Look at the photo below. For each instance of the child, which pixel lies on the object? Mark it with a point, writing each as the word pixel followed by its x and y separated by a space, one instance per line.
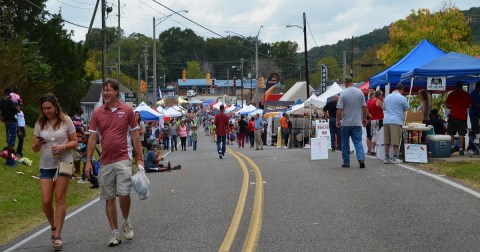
pixel 231 134
pixel 82 149
pixel 194 137
pixel 212 132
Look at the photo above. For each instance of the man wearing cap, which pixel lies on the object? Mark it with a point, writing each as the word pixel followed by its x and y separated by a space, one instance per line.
pixel 394 107
pixel 458 102
pixel 258 132
pixel 221 129
pixel 330 112
pixel 474 112
pixel 351 116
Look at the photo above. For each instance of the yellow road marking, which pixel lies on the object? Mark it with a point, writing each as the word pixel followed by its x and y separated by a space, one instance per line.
pixel 253 233
pixel 237 216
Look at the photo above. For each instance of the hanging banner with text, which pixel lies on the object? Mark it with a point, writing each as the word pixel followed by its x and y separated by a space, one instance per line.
pixel 323 84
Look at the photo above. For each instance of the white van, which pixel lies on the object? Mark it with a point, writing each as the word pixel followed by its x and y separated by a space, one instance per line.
pixel 191 93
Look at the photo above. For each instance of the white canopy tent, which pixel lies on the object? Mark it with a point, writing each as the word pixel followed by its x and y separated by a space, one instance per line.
pixel 257 111
pixel 246 110
pixel 171 112
pixel 147 113
pixel 320 101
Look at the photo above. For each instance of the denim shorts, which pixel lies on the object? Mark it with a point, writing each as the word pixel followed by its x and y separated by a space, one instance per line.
pixel 47 173
pixel 11 129
pixel 115 179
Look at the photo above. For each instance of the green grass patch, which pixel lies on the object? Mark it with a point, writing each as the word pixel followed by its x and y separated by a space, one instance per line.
pixel 20 198
pixel 467 172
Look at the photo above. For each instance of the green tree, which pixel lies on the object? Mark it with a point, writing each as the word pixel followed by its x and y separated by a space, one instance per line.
pixel 194 71
pixel 448 29
pixel 285 55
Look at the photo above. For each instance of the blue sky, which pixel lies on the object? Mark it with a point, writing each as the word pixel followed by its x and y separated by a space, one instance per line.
pixel 327 21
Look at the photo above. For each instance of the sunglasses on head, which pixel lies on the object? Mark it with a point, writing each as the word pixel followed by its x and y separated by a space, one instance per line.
pixel 48 98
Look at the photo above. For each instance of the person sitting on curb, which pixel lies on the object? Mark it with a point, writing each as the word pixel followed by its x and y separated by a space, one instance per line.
pixel 152 162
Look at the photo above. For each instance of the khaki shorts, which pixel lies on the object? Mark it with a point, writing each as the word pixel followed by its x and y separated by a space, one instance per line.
pixel 115 179
pixel 392 133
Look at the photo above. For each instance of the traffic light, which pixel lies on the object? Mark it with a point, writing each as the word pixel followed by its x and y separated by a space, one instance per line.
pixel 208 78
pixel 261 83
pixel 143 86
pixel 184 75
pixel 234 81
pixel 213 83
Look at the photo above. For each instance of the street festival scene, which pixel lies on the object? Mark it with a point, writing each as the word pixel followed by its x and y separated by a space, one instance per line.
pixel 275 133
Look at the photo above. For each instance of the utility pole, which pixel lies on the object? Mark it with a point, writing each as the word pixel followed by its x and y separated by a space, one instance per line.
pixel 145 55
pixel 351 62
pixel 307 77
pixel 119 39
pixel 228 85
pixel 104 43
pixel 344 65
pixel 139 81
pixel 241 69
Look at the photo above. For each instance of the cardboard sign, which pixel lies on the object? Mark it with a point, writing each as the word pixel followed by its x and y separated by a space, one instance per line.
pixel 319 148
pixel 416 153
pixel 322 129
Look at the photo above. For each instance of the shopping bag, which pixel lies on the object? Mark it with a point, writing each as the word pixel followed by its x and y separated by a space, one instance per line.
pixel 141 183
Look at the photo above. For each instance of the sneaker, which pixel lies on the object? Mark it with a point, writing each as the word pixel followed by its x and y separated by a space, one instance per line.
pixel 452 149
pixel 345 166
pixel 461 152
pixel 396 160
pixel 81 181
pixel 362 163
pixel 114 239
pixel 387 160
pixel 128 230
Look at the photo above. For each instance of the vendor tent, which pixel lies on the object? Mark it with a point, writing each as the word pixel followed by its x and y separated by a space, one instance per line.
pixel 424 52
pixel 320 101
pixel 454 66
pixel 256 111
pixel 171 112
pixel 195 101
pixel 147 113
pixel 246 110
pixel 297 91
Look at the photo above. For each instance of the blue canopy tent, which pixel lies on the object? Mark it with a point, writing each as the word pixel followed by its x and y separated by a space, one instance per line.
pixel 454 66
pixel 424 52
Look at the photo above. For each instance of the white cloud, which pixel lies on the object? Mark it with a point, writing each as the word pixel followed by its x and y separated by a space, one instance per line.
pixel 329 21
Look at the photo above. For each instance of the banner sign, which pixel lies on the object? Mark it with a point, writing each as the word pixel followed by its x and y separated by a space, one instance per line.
pixel 277 106
pixel 323 84
pixel 322 129
pixel 436 83
pixel 131 97
pixel 273 80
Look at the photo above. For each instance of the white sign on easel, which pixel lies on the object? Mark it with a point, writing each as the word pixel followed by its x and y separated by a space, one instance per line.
pixel 319 148
pixel 322 129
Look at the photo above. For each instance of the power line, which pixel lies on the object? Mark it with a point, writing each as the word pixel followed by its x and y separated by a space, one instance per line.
pixel 66 21
pixel 76 7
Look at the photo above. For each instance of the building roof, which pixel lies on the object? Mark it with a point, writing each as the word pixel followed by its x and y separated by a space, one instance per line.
pixel 218 83
pixel 95 92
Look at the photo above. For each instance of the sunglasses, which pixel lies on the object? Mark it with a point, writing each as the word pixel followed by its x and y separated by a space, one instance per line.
pixel 47 98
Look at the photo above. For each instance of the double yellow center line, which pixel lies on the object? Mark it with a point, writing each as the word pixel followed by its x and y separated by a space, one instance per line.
pixel 253 234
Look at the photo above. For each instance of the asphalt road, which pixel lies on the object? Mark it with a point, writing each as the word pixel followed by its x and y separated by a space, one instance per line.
pixel 306 206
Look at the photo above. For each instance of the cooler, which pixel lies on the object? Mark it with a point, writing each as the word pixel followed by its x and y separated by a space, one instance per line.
pixel 439 145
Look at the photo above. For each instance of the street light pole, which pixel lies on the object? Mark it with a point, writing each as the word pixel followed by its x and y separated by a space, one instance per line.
pixel 256 64
pixel 155 51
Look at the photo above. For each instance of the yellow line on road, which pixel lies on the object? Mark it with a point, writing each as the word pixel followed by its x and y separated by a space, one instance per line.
pixel 253 233
pixel 237 216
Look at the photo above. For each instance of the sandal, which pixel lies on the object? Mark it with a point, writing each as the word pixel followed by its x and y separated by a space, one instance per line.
pixel 57 244
pixel 53 235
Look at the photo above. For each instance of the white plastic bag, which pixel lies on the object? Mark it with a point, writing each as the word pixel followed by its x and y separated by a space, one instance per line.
pixel 141 183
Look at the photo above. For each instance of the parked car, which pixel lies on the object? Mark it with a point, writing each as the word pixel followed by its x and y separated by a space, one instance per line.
pixel 191 93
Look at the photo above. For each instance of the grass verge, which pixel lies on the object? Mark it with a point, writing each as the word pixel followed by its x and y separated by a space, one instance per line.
pixel 466 171
pixel 20 199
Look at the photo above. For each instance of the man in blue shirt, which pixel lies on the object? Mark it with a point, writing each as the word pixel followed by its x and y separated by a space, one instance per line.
pixel 394 108
pixel 258 132
pixel 474 113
